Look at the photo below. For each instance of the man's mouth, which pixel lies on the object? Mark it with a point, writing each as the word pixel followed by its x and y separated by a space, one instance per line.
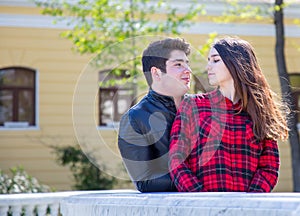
pixel 186 79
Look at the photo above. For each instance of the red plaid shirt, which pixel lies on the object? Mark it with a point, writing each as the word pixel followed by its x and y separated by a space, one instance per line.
pixel 213 148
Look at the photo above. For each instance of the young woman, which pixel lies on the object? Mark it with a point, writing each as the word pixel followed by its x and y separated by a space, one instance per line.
pixel 225 140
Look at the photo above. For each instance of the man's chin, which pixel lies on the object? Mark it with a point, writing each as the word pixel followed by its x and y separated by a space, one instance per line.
pixel 185 89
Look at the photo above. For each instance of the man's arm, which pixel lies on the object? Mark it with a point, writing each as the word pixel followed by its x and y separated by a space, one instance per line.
pixel 137 157
pixel 162 183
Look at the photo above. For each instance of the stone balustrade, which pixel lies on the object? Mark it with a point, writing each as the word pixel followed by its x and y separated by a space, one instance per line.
pixel 132 203
pixel 31 203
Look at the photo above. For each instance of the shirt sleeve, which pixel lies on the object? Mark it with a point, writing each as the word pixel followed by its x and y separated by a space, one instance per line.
pixel 136 155
pixel 183 141
pixel 266 175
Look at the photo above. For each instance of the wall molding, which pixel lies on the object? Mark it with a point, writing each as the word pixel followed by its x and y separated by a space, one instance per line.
pixel 250 29
pixel 291 11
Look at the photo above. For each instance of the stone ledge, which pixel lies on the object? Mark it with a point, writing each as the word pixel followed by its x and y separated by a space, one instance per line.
pixel 131 203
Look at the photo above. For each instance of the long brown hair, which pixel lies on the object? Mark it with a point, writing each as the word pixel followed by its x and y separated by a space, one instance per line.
pixel 258 100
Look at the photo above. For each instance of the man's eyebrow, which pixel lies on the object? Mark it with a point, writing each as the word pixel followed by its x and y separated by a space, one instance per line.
pixel 180 60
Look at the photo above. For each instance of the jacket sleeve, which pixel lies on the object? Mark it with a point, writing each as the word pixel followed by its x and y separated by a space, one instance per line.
pixel 162 183
pixel 183 141
pixel 137 158
pixel 266 175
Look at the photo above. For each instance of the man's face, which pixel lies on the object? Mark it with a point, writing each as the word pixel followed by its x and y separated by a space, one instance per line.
pixel 176 80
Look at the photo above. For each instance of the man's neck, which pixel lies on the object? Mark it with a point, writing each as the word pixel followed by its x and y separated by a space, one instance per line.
pixel 177 101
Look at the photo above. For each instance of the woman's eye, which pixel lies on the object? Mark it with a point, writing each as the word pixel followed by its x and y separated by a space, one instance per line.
pixel 216 60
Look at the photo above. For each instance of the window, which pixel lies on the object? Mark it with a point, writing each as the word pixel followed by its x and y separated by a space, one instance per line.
pixel 17 97
pixel 114 98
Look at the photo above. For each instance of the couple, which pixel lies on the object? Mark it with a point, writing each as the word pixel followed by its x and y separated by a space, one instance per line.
pixel 224 140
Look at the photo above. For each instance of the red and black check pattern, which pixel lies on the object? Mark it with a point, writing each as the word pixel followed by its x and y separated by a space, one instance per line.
pixel 213 148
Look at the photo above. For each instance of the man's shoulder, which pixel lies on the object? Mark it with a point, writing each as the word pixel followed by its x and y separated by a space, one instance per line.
pixel 138 110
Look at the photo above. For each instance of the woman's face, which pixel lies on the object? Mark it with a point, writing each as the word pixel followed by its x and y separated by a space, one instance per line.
pixel 218 74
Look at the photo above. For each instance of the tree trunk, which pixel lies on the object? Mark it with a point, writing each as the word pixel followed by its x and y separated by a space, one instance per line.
pixel 287 94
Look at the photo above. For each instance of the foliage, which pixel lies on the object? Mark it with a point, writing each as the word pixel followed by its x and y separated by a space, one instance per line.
pixel 99 24
pixel 87 176
pixel 20 182
pixel 96 24
pixel 238 10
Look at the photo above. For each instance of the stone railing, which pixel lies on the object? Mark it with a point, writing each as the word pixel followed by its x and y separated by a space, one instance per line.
pixel 34 203
pixel 131 203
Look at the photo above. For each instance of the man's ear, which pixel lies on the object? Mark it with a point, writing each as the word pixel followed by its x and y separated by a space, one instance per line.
pixel 156 73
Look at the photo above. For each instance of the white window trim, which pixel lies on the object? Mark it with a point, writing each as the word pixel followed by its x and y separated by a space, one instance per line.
pixel 182 5
pixel 37 111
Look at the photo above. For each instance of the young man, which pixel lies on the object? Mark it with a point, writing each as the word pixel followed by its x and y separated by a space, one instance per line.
pixel 144 133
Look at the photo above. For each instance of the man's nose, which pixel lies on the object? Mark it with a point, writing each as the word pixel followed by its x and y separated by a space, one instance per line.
pixel 187 69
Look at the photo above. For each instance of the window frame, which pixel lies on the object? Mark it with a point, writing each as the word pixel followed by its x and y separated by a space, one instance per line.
pixel 14 124
pixel 115 98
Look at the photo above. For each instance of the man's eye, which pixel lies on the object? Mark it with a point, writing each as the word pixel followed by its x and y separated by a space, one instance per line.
pixel 216 60
pixel 178 64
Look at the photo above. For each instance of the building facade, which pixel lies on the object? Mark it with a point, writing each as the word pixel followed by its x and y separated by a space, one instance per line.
pixel 50 95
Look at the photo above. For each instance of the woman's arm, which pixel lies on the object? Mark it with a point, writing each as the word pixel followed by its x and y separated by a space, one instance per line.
pixel 183 138
pixel 266 175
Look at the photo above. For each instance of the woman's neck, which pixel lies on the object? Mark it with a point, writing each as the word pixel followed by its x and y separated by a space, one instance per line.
pixel 229 93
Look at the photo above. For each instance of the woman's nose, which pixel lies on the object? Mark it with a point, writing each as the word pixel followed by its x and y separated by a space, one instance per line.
pixel 207 67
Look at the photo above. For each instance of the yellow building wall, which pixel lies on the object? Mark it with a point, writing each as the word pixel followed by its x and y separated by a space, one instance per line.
pixel 58 70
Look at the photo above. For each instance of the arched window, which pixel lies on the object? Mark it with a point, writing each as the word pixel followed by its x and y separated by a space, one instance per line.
pixel 17 97
pixel 115 97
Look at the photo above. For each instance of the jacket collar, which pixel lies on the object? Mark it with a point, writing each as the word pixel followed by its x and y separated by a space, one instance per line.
pixel 166 100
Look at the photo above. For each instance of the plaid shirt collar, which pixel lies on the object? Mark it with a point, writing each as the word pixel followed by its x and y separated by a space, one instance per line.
pixel 216 98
